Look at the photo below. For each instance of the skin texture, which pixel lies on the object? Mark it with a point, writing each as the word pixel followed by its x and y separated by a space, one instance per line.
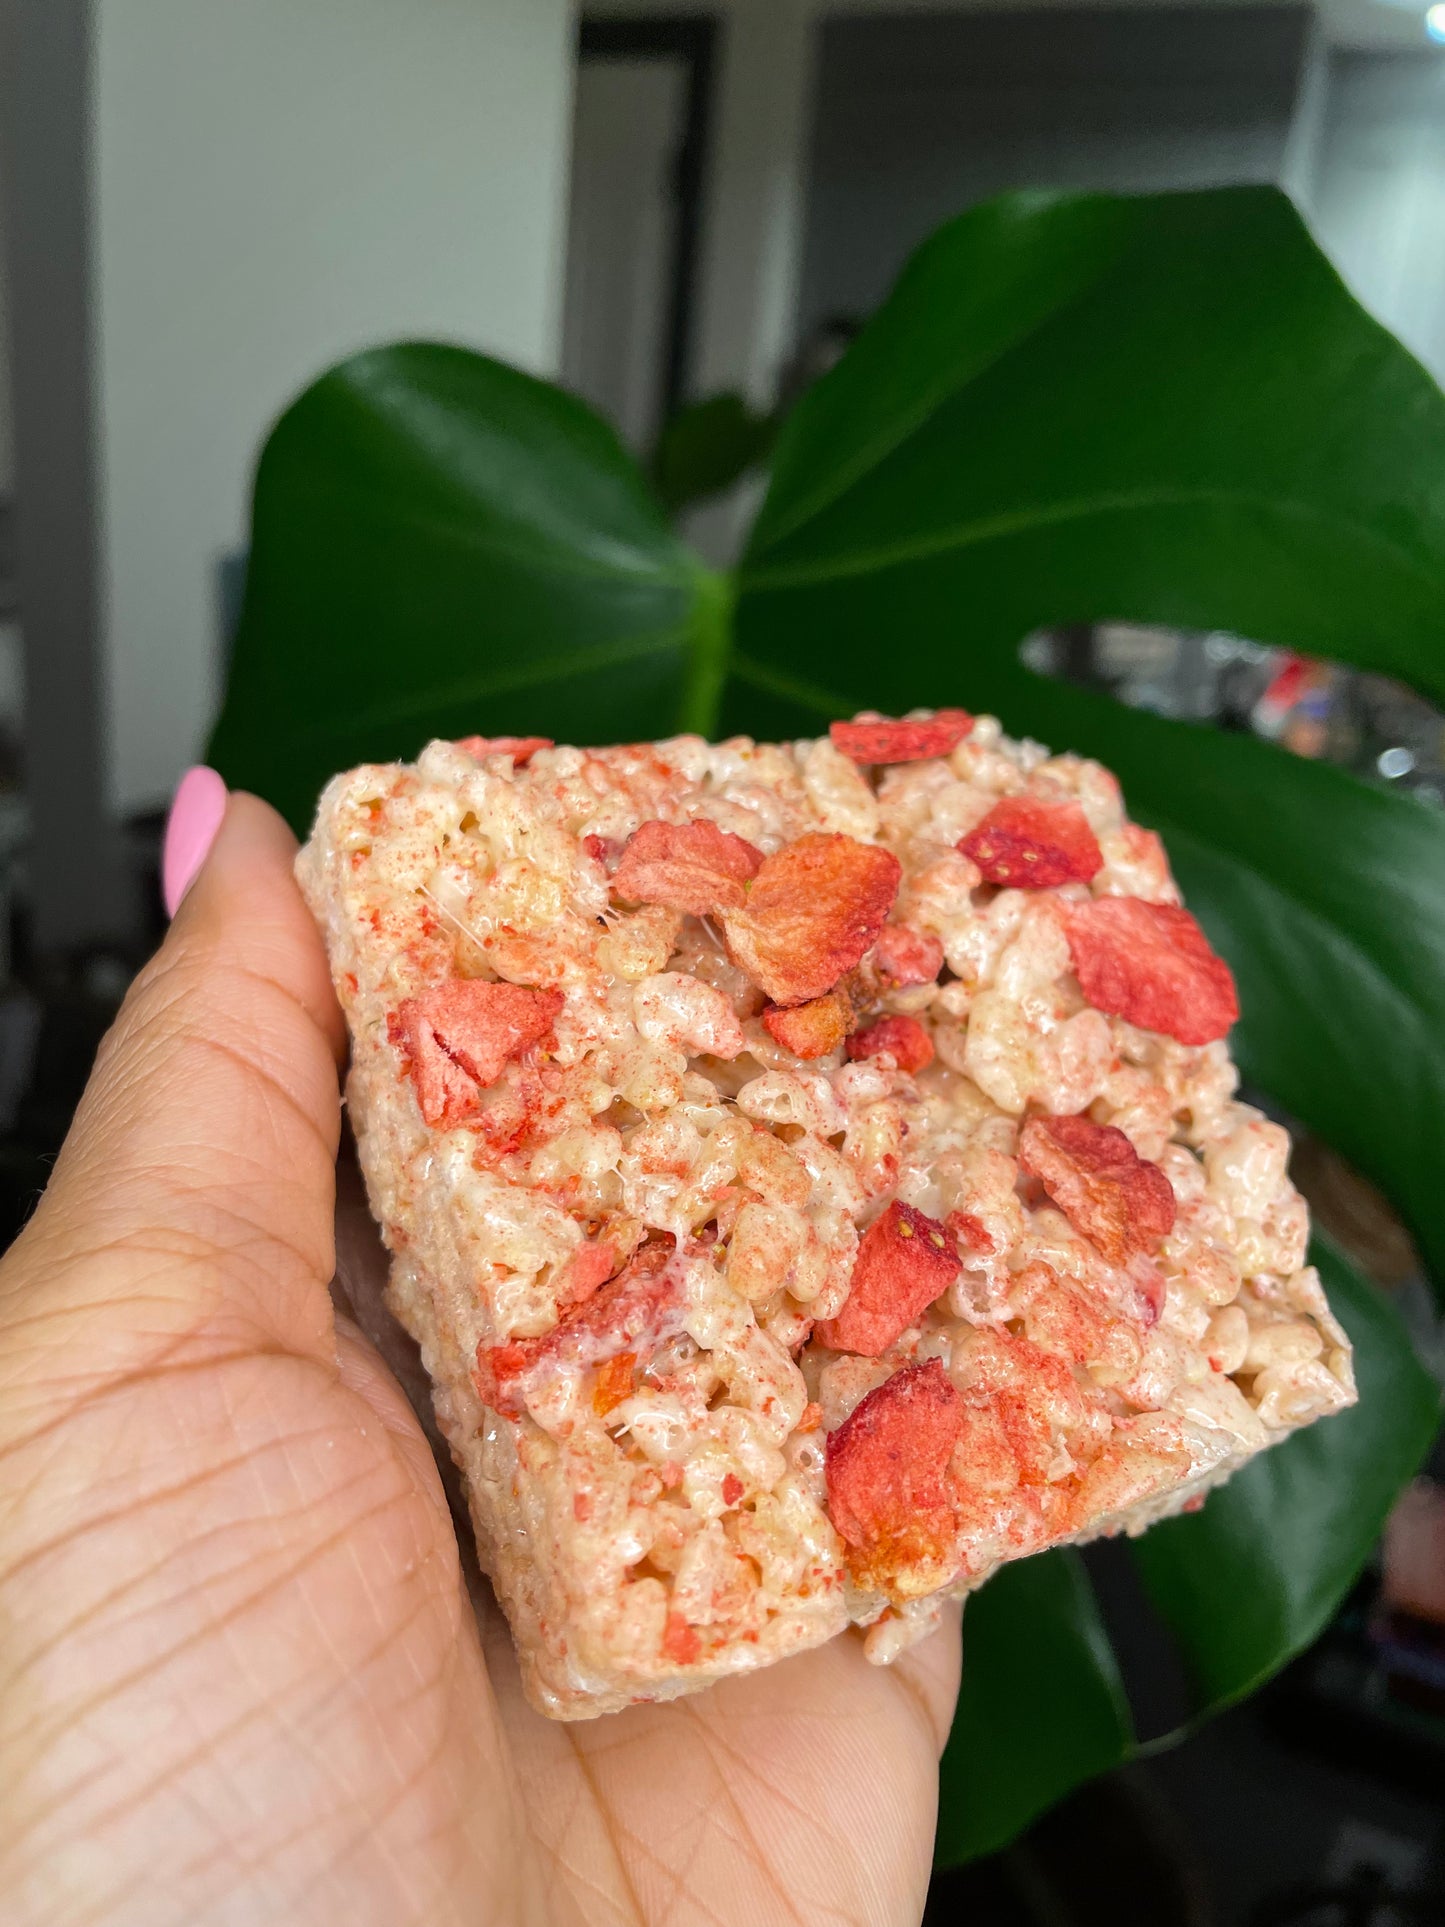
pixel 243 1675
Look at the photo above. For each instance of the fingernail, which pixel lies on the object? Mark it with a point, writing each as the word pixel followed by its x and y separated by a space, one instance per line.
pixel 196 813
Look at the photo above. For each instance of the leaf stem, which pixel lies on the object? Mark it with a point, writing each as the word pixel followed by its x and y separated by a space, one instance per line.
pixel 709 644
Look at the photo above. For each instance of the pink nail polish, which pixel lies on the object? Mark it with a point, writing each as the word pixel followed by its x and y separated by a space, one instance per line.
pixel 196 813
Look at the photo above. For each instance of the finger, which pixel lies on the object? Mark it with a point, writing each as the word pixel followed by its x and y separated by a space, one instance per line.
pixel 930 1672
pixel 358 1289
pixel 199 1169
pixel 364 1371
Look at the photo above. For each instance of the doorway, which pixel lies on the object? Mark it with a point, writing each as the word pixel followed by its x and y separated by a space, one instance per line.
pixel 638 148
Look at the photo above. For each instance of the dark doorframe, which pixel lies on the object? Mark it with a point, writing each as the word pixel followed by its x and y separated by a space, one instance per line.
pixel 693 40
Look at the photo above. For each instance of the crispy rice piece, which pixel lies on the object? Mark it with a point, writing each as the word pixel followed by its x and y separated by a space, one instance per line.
pixel 662 1053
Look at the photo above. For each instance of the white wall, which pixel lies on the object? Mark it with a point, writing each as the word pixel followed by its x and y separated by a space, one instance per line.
pixel 1377 200
pixel 278 183
pixel 755 190
pixel 921 116
pixel 628 126
pixel 756 198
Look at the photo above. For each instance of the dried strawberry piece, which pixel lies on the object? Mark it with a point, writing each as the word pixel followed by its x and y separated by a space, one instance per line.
pixel 687 866
pixel 881 740
pixel 1149 1290
pixel 905 956
pixel 811 1029
pixel 590 1265
pixel 814 910
pixel 1119 1201
pixel 459 1035
pixel 614 1382
pixel 632 1315
pixel 902 1038
pixel 969 1232
pixel 732 1488
pixel 1032 845
pixel 444 1091
pixel 1151 964
pixel 680 1641
pixel 632 1308
pixel 499 1372
pixel 905 1260
pixel 521 749
pixel 889 1494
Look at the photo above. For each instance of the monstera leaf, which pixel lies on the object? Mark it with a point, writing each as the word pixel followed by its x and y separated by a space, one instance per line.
pixel 707 446
pixel 1162 409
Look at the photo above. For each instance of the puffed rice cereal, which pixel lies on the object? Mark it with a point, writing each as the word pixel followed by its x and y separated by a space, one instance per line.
pixel 812 1173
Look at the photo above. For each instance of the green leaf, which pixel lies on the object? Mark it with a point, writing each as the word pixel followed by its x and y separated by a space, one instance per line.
pixel 1252 1579
pixel 1071 408
pixel 706 447
pixel 443 546
pixel 1041 1707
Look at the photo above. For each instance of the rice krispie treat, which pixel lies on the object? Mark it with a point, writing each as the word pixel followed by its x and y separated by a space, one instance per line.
pixel 812 1175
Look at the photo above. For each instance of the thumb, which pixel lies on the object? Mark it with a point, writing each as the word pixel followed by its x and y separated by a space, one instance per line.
pixel 198 1177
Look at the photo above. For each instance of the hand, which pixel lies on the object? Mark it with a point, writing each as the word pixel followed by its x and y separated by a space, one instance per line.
pixel 241 1680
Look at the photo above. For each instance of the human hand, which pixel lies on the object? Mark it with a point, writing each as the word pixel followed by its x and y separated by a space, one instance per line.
pixel 241 1678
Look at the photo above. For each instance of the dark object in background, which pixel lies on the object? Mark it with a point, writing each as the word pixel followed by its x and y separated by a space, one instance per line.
pixel 50 1030
pixel 1257 1820
pixel 53 1015
pixel 1365 723
pixel 1366 1899
pixel 708 446
pixel 1371 1691
pixel 1113 1855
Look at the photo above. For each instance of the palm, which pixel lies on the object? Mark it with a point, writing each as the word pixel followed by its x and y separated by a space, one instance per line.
pixel 243 1677
pixel 804 1795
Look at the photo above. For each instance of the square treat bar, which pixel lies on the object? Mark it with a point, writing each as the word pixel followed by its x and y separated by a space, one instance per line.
pixel 812 1175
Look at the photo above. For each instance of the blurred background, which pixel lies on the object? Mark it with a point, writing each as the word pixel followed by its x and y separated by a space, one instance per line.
pixel 687 212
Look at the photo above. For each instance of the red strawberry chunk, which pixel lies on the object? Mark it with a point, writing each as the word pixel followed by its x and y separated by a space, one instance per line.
pixel 902 1038
pixel 614 1383
pixel 694 867
pixel 680 1642
pixel 905 956
pixel 889 1493
pixel 521 749
pixel 880 740
pixel 1119 1201
pixel 590 1265
pixel 970 1232
pixel 1031 845
pixel 630 1316
pixel 905 1261
pixel 812 1029
pixel 1149 1289
pixel 459 1035
pixel 1151 964
pixel 813 912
